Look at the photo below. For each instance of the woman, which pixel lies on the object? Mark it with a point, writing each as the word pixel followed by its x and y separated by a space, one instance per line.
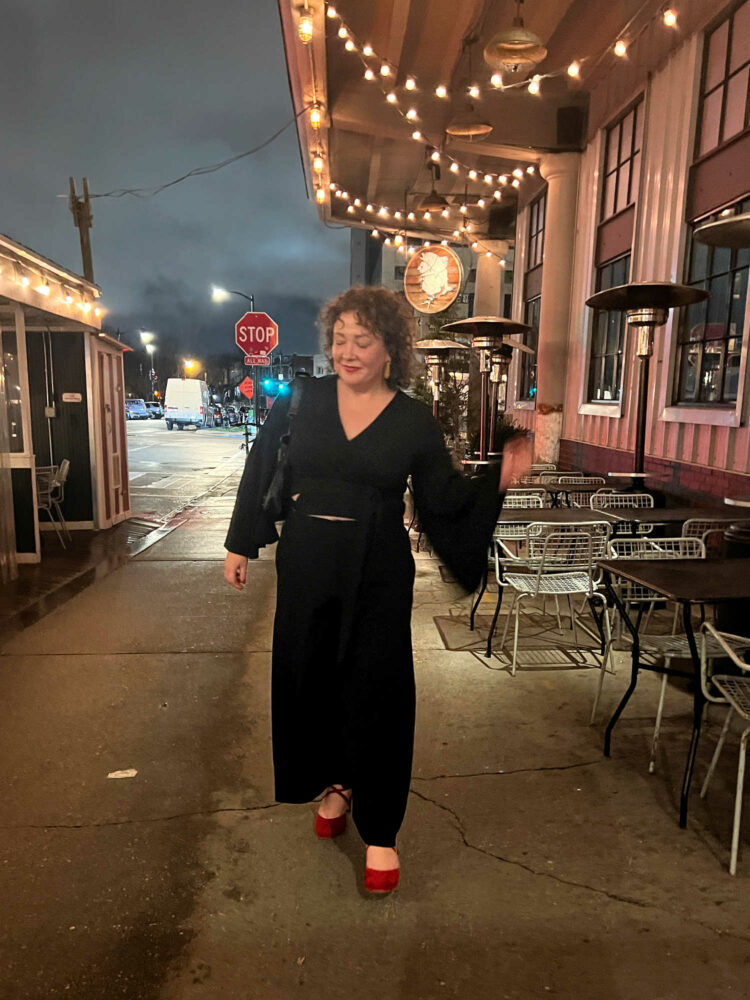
pixel 343 697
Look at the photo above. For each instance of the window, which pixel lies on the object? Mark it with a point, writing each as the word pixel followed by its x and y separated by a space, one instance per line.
pixel 622 162
pixel 527 382
pixel 537 213
pixel 9 360
pixel 710 333
pixel 608 340
pixel 725 98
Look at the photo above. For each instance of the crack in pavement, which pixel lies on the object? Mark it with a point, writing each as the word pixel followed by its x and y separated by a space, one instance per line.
pixel 614 896
pixel 519 770
pixel 145 819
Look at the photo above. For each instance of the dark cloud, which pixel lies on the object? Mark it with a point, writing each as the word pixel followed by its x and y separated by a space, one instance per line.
pixel 135 94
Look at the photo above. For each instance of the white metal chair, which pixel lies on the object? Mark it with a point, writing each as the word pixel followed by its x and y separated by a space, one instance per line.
pixel 710 531
pixel 609 500
pixel 733 691
pixel 543 467
pixel 560 560
pixel 515 500
pixel 579 479
pixel 50 492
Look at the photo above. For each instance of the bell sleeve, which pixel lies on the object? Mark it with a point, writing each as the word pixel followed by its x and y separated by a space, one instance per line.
pixel 251 527
pixel 457 514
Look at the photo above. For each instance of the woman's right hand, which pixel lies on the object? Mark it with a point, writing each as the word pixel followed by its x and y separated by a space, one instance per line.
pixel 235 570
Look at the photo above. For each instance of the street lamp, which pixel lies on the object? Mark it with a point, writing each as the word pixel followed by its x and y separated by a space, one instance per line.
pixel 219 294
pixel 189 364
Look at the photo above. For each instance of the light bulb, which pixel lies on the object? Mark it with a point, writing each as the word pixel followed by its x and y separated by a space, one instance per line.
pixel 385 70
pixel 468 227
pixel 427 243
pixel 331 12
pixel 86 307
pixel 621 48
pixel 454 167
pixel 43 289
pixel 368 207
pixel 441 91
pixel 444 243
pixel 496 80
pixel 397 215
pixel 343 32
pixel 320 195
pixel 518 172
pixel 473 175
pixel 445 213
pixel 533 87
pixel 318 163
pixel 350 209
pixel 463 209
pixel 435 156
pixel 416 135
pixel 316 116
pixel 391 97
pixel 375 234
pixel 357 202
pixel 456 232
pixel 68 300
pixel 383 212
pixel 410 83
pixel 488 178
pixel 497 195
pixel 474 91
pixel 574 70
pixel 515 182
pixel 503 179
pixel 474 245
pixel 427 216
pixel 398 239
pixel 670 17
pixel 369 75
pixel 367 49
pixel 349 46
pixel 305 29
pixel 502 262
pixel 531 169
pixel 387 241
pixel 411 216
pixel 481 203
pixel 488 253
pixel 411 114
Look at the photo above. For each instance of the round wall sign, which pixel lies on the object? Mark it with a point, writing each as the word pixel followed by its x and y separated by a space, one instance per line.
pixel 433 278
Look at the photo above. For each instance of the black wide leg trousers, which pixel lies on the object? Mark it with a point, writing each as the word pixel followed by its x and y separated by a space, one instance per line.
pixel 343 697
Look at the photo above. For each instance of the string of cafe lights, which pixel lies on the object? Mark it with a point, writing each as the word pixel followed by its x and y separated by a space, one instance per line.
pixel 28 277
pixel 411 116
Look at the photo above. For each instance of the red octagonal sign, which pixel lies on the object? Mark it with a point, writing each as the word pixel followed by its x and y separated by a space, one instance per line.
pixel 256 333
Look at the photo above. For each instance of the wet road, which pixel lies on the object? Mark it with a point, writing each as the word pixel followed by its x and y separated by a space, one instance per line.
pixel 171 468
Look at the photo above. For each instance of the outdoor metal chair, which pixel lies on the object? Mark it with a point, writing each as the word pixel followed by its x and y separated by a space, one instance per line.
pixel 515 500
pixel 710 531
pixel 733 691
pixel 609 500
pixel 543 467
pixel 559 560
pixel 580 480
pixel 50 494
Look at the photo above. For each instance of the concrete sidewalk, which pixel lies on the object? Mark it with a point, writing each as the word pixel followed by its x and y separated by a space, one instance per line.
pixel 532 866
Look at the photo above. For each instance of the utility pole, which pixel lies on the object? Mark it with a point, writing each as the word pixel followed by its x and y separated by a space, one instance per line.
pixel 83 219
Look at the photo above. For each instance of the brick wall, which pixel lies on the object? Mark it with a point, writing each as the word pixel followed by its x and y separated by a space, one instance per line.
pixel 678 481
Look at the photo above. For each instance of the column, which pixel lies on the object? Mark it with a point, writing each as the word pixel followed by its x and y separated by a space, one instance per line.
pixel 560 170
pixel 489 284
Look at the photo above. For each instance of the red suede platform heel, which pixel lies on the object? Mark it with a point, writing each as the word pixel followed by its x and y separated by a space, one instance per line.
pixel 382 881
pixel 327 828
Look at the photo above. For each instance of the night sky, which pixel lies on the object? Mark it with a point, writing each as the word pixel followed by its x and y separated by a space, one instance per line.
pixel 134 94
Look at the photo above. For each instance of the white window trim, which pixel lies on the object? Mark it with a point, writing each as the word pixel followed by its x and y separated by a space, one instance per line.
pixel 613 409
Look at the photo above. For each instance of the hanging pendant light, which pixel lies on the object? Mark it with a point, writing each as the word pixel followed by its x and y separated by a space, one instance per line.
pixel 516 50
pixel 433 202
pixel 468 124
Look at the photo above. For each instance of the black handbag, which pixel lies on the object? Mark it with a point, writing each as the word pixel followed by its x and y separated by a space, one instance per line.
pixel 277 496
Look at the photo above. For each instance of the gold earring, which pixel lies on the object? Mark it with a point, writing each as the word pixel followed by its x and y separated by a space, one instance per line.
pixel 387 370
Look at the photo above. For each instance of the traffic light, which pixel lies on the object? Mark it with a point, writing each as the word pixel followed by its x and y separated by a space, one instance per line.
pixel 274 387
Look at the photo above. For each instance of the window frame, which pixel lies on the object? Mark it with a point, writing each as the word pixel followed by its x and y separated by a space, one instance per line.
pixel 727 17
pixel 622 337
pixel 636 107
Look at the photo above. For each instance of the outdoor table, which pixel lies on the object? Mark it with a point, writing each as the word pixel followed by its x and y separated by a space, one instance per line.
pixel 555 489
pixel 687 582
pixel 738 501
pixel 670 515
pixel 555 515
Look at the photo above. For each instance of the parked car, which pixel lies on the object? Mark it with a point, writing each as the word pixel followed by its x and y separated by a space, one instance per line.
pixel 218 414
pixel 187 402
pixel 135 409
pixel 155 410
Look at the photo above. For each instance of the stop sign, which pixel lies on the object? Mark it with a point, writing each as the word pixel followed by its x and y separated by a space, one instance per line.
pixel 256 333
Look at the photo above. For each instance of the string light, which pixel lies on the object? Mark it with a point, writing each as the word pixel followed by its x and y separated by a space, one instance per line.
pixel 410 83
pixel 398 239
pixel 43 289
pixel 531 169
pixel 621 48
pixel 445 213
pixel 305 29
pixel 320 195
pixel 387 241
pixel 391 97
pixel 463 209
pixel 497 195
pixel 474 91
pixel 435 156
pixel 574 70
pixel 427 216
pixel 369 75
pixel 318 163
pixel 497 81
pixel 518 173
pixel 533 87
pixel 86 306
pixel 481 203
pixel 350 209
pixel 316 116
pixel 331 11
pixel 441 91
pixel 374 234
pixel 502 179
pixel 397 215
pixel 670 17
pixel 349 45
pixel 25 281
pixel 416 135
pixel 411 216
pixel 367 50
pixel 515 182
pixel 454 167
pixel 473 175
pixel 488 178
pixel 383 212
pixel 343 33
pixel 385 69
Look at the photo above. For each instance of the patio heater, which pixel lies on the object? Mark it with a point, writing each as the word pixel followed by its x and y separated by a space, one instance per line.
pixel 436 354
pixel 646 305
pixel 490 336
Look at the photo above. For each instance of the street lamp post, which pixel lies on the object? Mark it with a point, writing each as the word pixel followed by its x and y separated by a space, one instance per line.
pixel 151 348
pixel 219 294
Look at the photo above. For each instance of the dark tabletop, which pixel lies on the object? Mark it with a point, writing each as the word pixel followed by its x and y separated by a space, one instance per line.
pixel 697 581
pixel 554 515
pixel 674 515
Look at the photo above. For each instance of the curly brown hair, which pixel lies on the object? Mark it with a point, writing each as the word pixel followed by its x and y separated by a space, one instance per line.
pixel 383 313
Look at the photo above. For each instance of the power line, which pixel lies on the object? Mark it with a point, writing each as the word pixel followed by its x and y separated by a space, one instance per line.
pixel 200 171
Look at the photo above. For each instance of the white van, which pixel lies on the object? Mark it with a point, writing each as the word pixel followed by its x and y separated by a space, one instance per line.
pixel 186 402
